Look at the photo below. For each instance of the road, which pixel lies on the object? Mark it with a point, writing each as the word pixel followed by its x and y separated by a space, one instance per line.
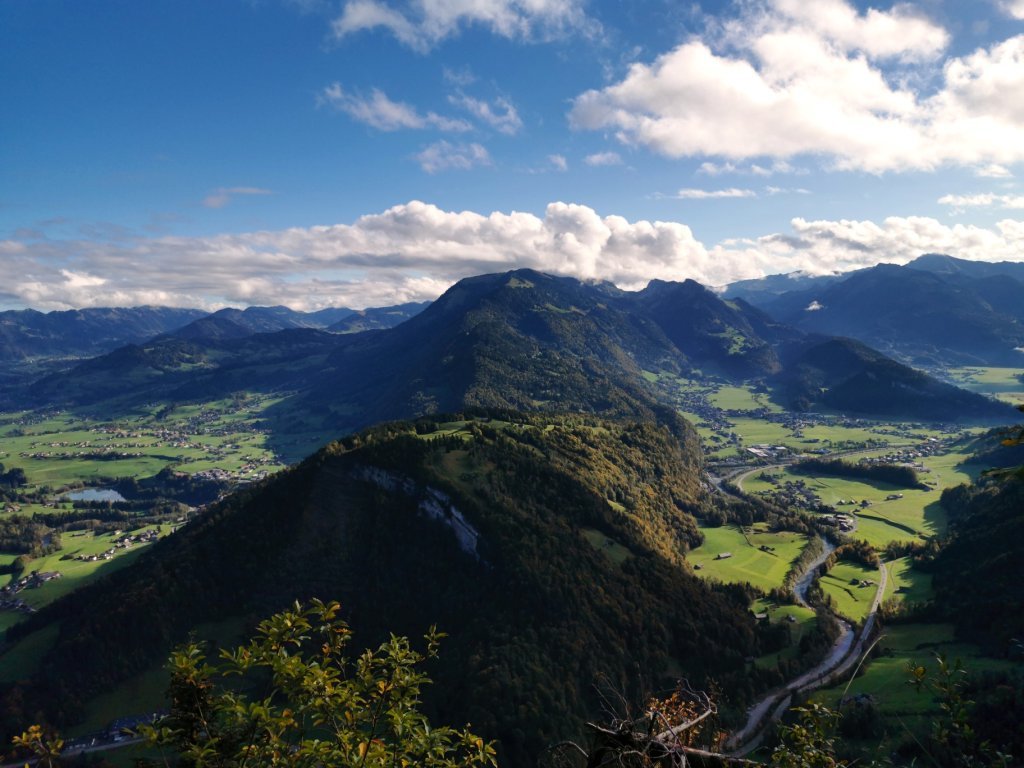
pixel 845 653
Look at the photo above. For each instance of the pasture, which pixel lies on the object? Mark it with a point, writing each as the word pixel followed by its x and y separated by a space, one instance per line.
pixel 748 562
pixel 1003 383
pixel 852 588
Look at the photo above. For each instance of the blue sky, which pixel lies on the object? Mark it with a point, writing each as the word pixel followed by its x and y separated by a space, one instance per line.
pixel 364 152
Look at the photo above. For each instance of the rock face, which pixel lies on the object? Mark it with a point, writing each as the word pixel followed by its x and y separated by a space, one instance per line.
pixel 433 503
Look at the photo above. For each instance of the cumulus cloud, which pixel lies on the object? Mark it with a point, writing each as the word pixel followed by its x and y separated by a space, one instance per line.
pixel 422 24
pixel 380 112
pixel 1013 8
pixel 603 158
pixel 416 250
pixel 793 78
pixel 220 197
pixel 502 116
pixel 558 162
pixel 445 156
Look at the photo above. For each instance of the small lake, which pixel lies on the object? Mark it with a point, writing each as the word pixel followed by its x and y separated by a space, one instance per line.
pixel 95 494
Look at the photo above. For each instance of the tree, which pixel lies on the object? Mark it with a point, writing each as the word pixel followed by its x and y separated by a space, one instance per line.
pixel 318 705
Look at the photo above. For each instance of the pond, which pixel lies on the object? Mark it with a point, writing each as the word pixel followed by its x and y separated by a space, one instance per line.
pixel 95 494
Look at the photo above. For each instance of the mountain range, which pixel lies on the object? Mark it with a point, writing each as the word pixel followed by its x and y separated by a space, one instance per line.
pixel 543 522
pixel 935 311
pixel 521 340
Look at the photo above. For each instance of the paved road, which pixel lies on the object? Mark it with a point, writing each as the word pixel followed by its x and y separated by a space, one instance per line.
pixel 845 653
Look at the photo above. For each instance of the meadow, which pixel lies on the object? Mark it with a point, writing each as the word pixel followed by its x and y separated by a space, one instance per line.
pixel 1003 383
pixel 904 713
pixel 764 568
pixel 68 449
pixel 916 515
pixel 852 588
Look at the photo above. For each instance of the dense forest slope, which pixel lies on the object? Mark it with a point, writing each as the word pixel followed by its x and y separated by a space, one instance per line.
pixel 549 548
pixel 848 376
pixel 977 575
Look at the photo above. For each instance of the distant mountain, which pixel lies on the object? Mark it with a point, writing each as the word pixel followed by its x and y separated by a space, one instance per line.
pixel 549 549
pixel 935 311
pixel 520 340
pixel 238 323
pixel 80 333
pixel 230 323
pixel 847 376
pixel 762 289
pixel 947 265
pixel 730 337
pixel 377 318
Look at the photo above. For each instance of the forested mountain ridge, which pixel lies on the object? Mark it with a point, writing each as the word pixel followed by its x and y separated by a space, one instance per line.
pixel 521 340
pixel 548 547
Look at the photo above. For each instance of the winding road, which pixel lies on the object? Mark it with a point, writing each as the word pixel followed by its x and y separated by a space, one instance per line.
pixel 844 655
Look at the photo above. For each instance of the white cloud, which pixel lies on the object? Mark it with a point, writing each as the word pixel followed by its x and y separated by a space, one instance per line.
pixel 712 194
pixel 1013 8
pixel 805 79
pixel 993 171
pixel 559 162
pixel 603 158
pixel 443 156
pixel 814 306
pixel 984 200
pixel 787 191
pixel 220 197
pixel 416 250
pixel 752 169
pixel 380 112
pixel 901 32
pixel 422 24
pixel 503 116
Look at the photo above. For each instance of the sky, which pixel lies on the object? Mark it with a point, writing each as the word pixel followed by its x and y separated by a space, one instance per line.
pixel 357 153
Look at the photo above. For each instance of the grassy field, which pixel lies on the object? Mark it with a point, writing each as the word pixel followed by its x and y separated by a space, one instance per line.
pixel 748 562
pixel 916 516
pixel 615 551
pixel 1004 383
pixel 69 448
pixel 903 710
pixel 75 573
pixel 907 584
pixel 741 399
pixel 852 588
pixel 25 656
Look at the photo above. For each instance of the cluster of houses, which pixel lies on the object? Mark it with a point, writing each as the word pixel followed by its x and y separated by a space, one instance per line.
pixel 9 601
pixel 769 452
pixel 121 541
pixel 844 522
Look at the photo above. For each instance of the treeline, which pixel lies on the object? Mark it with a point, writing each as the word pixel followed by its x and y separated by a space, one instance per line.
pixel 977 574
pixel 172 485
pixel 893 474
pixel 12 478
pixel 25 536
